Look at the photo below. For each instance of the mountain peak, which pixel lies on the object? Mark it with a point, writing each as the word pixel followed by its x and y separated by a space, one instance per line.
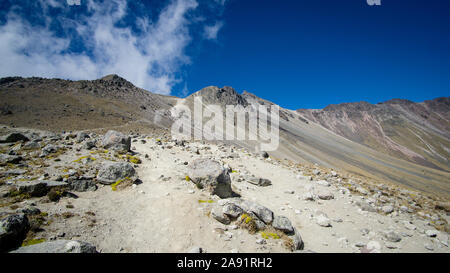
pixel 226 95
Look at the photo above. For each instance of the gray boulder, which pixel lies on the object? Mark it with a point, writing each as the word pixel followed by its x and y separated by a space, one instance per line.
pixel 13 137
pixel 81 136
pixel 13 230
pixel 232 210
pixel 217 213
pixel 13 159
pixel 392 236
pixel 297 241
pixel 325 195
pixel 263 213
pixel 59 246
pixel 49 148
pixel 32 145
pixel 283 223
pixel 38 188
pixel 89 144
pixel 81 185
pixel 212 176
pixel 116 141
pixel 111 172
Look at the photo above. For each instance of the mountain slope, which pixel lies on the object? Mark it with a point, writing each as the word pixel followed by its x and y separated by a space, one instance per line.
pixel 352 137
pixel 417 132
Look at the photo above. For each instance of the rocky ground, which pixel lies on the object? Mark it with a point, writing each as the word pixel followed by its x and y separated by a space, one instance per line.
pixel 83 192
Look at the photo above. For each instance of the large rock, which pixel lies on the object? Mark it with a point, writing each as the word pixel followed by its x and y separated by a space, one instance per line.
pixel 59 246
pixel 212 176
pixel 112 172
pixel 81 185
pixel 283 223
pixel 232 210
pixel 325 195
pixel 13 137
pixel 297 241
pixel 13 230
pixel 38 188
pixel 116 141
pixel 392 236
pixel 13 159
pixel 217 213
pixel 81 136
pixel 263 213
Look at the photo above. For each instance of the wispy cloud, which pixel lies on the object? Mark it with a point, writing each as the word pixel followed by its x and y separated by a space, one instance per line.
pixel 150 57
pixel 210 32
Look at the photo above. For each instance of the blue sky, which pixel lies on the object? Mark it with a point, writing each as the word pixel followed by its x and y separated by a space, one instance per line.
pixel 299 54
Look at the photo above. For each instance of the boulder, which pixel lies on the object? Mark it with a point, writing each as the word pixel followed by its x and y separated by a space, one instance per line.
pixel 81 185
pixel 297 241
pixel 112 172
pixel 38 188
pixel 116 141
pixel 323 221
pixel 49 148
pixel 89 144
pixel 217 213
pixel 325 195
pixel 58 246
pixel 283 223
pixel 263 213
pixel 81 136
pixel 13 137
pixel 13 230
pixel 13 159
pixel 31 145
pixel 392 236
pixel 387 209
pixel 212 176
pixel 232 210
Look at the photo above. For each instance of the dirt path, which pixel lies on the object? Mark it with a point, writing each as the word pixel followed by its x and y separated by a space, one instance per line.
pixel 166 213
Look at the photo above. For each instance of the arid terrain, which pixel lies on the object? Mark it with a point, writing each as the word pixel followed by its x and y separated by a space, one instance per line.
pixel 91 166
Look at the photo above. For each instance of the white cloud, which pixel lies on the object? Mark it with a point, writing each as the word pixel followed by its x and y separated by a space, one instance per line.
pixel 150 59
pixel 210 32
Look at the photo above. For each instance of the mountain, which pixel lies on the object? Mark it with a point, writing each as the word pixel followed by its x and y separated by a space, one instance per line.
pixel 398 141
pixel 417 132
pixel 55 104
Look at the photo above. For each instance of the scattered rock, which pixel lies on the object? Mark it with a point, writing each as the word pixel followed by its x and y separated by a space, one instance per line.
pixel 392 236
pixel 212 176
pixel 325 195
pixel 13 230
pixel 58 246
pixel 112 172
pixel 387 209
pixel 262 182
pixel 323 221
pixel 116 141
pixel 13 137
pixel 372 247
pixel 283 223
pixel 12 159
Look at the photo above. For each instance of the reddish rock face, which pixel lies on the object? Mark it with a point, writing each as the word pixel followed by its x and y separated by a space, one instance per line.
pixel 417 132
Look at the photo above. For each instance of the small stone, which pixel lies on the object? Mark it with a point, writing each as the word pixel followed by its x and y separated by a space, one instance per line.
pixel 431 233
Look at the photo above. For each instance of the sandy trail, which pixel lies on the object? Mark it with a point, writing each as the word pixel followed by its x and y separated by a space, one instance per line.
pixel 163 214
